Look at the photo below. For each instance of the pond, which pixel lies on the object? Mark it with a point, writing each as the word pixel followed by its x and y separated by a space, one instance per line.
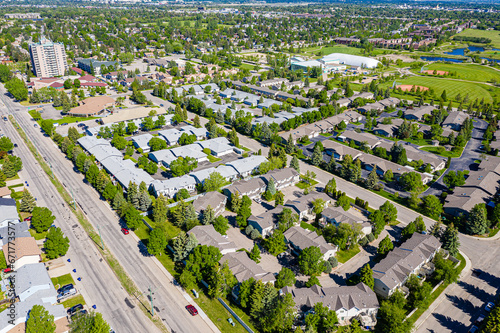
pixel 441 59
pixel 461 51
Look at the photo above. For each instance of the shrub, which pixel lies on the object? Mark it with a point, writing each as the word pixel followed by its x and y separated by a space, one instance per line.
pixel 444 195
pixel 370 237
pixel 207 151
pixel 333 262
pixel 139 150
pixel 328 267
pixel 248 230
pixel 363 241
pixel 254 234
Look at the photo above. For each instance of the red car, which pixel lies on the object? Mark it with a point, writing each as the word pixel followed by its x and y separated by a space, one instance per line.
pixel 125 231
pixel 192 310
pixel 28 219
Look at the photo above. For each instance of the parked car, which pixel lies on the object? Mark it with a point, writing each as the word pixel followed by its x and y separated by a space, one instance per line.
pixel 489 306
pixel 125 231
pixel 64 124
pixel 479 320
pixel 192 310
pixel 66 287
pixel 81 312
pixel 28 219
pixel 473 329
pixel 74 309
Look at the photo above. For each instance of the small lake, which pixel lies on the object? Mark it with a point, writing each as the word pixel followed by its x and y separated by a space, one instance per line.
pixel 441 59
pixel 461 51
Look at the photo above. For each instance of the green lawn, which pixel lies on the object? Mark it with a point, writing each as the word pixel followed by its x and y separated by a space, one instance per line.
pixel 247 66
pixel 326 134
pixel 342 49
pixel 470 72
pixel 62 280
pixel 436 151
pixel 37 235
pixel 303 185
pixel 344 255
pixel 307 226
pixel 213 159
pixel 452 87
pixel 70 120
pixel 73 301
pixel 491 34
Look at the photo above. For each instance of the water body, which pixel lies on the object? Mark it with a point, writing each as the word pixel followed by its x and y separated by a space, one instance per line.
pixel 441 59
pixel 461 51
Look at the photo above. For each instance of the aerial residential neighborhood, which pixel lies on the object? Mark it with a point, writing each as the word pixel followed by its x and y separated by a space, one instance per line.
pixel 212 166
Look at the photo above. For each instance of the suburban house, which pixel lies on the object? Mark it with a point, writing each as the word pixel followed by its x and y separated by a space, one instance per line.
pixel 381 165
pixel 200 133
pixel 358 138
pixel 18 324
pixel 418 113
pixel 282 177
pixel 388 130
pixel 8 212
pixel 303 206
pixel 338 151
pixel 142 142
pixel 207 235
pixel 368 108
pixel 337 215
pixel 20 229
pixel 228 172
pixel 216 201
pixel 347 301
pixel 245 268
pixel 252 188
pixel 22 251
pixel 217 146
pixel 299 239
pixel 201 175
pixel 246 166
pixel 169 187
pixel 410 258
pixel 171 135
pixel 266 222
pixel 32 279
pixel 389 102
pixel 192 150
pixel 310 131
pixel 455 120
pixel 164 157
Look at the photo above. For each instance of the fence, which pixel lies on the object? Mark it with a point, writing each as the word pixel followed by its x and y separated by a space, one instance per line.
pixel 245 326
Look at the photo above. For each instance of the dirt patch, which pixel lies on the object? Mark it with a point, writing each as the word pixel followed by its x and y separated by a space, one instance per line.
pixel 408 87
pixel 434 72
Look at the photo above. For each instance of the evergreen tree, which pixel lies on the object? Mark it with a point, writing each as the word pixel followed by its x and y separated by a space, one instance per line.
pixel 366 276
pixel 118 200
pixel 477 223
pixel 144 201
pixel 331 187
pixel 255 253
pixel 208 216
pixel 450 240
pixel 27 202
pixel 235 202
pixel 133 194
pixel 290 146
pixel 385 246
pixel 271 187
pixel 372 179
pixel 317 156
pixel 279 198
pixel 294 163
pixel 160 209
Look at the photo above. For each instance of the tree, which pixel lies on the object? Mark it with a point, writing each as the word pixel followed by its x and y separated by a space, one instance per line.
pixel 390 212
pixel 477 223
pixel 411 182
pixel 214 182
pixel 290 145
pixel 182 245
pixel 47 126
pixel 182 166
pixel 208 216
pixel 372 179
pixel 294 163
pixel 330 187
pixel 27 202
pixel 40 320
pixel 385 246
pixel 398 154
pixel 255 253
pixel 313 280
pixel 157 241
pixel 17 89
pixel 322 320
pixel 279 198
pixel 453 179
pixel 221 225
pixel 388 176
pixel 391 318
pixel 42 219
pixel 310 262
pixel 196 121
pixel 89 322
pixel 132 217
pixel 56 245
pixel 157 143
pixel 275 244
pixel 160 209
pixel 492 323
pixel 235 202
pixel 286 277
pixel 450 240
pixel 317 156
pixel 432 206
pixel 6 144
pixel 131 127
pixel 344 202
pixel 366 276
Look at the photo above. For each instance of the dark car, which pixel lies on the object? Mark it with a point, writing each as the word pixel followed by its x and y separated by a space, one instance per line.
pixel 74 309
pixel 192 310
pixel 28 219
pixel 66 288
pixel 125 231
pixel 479 320
pixel 489 306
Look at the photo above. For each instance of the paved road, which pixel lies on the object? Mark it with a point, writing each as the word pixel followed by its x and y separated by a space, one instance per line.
pixel 145 271
pixel 470 154
pixel 99 285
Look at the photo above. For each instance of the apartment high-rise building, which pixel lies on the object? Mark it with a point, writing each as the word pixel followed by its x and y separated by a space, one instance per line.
pixel 48 59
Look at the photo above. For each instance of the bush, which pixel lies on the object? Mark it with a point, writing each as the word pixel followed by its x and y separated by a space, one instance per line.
pixel 327 267
pixel 363 241
pixel 267 196
pixel 139 150
pixel 370 237
pixel 248 230
pixel 207 151
pixel 333 262
pixel 254 234
pixel 444 195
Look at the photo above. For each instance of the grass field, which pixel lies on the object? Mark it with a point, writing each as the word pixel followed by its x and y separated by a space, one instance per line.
pixel 73 301
pixel 491 34
pixel 341 49
pixel 453 87
pixel 468 72
pixel 62 280
pixel 69 119
pixel 344 255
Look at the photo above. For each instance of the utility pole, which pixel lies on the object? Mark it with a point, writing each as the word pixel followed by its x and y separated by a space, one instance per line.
pixel 102 243
pixel 51 171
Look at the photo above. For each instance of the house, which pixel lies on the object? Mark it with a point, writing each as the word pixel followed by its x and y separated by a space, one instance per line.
pixel 418 114
pixel 22 251
pixel 344 102
pixel 216 201
pixel 200 133
pixel 169 187
pixel 353 116
pixel 207 235
pixel 18 323
pixel 347 301
pixel 266 222
pixel 337 215
pixel 252 188
pixel 8 212
pixel 228 172
pixel 368 108
pixel 32 279
pixel 310 131
pixel 381 165
pixel 246 166
pixel 455 120
pixel 171 135
pixel 339 151
pixel 282 177
pixel 245 268
pixel 20 229
pixel 435 162
pixel 299 239
pixel 217 146
pixel 390 102
pixel 464 199
pixel 303 206
pixel 201 175
pixel 358 138
pixel 268 103
pixel 409 258
pixel 193 150
pixel 164 156
pixel 142 142
pixel 388 130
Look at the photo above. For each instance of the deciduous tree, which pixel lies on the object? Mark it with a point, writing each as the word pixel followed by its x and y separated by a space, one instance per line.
pixel 42 219
pixel 56 245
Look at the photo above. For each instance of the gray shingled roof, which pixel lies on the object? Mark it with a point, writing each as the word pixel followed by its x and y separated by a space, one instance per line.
pixel 303 239
pixel 244 268
pixel 207 235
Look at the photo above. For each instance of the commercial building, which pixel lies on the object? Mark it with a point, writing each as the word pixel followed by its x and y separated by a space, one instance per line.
pixel 48 59
pixel 92 106
pixel 93 66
